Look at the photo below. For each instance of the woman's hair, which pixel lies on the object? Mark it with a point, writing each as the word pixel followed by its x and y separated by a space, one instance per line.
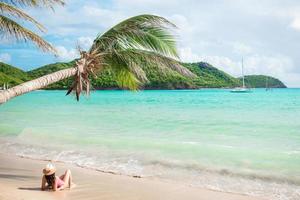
pixel 50 179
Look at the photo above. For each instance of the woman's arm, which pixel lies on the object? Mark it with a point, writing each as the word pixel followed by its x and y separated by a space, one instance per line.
pixel 55 185
pixel 43 186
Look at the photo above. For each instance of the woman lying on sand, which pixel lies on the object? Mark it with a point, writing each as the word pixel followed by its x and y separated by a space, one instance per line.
pixel 50 181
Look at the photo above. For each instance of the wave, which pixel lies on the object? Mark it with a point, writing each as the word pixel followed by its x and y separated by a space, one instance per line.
pixel 228 172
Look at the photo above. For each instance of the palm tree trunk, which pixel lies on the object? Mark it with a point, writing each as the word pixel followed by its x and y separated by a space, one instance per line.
pixel 36 84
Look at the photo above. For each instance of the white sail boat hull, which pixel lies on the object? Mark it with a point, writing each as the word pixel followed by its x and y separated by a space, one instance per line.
pixel 241 90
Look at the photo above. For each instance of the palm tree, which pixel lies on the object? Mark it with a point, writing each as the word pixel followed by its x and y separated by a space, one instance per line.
pixel 9 10
pixel 138 41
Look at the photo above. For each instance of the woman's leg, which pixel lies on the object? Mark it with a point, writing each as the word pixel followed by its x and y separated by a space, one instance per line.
pixel 62 177
pixel 67 178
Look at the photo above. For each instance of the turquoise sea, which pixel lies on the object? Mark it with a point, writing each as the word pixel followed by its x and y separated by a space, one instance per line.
pixel 246 143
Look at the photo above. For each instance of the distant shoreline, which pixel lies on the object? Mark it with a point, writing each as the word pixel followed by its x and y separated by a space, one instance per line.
pixel 207 76
pixel 154 89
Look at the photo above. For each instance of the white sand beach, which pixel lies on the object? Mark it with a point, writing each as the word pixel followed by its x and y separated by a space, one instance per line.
pixel 20 179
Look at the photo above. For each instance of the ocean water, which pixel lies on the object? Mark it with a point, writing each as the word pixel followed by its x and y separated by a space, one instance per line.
pixel 243 143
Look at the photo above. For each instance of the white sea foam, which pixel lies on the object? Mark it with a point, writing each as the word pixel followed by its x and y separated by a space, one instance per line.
pixel 292 152
pixel 190 174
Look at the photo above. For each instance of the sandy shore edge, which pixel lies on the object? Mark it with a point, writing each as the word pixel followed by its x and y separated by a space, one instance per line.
pixel 20 179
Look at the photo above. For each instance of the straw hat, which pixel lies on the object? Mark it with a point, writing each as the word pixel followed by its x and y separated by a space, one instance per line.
pixel 49 169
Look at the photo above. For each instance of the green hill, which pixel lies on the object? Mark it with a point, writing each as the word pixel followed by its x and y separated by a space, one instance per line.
pixel 261 81
pixel 105 80
pixel 207 77
pixel 211 77
pixel 12 75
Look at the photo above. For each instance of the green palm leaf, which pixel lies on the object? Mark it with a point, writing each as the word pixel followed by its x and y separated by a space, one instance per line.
pixel 11 28
pixel 143 32
pixel 34 3
pixel 15 12
pixel 139 41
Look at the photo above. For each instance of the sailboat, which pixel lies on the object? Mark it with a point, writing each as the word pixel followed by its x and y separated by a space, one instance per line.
pixel 242 89
pixel 267 85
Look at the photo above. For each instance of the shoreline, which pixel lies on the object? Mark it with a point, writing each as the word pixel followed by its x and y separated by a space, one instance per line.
pixel 164 89
pixel 250 176
pixel 20 179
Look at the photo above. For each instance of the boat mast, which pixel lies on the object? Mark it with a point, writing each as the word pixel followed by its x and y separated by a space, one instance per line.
pixel 243 73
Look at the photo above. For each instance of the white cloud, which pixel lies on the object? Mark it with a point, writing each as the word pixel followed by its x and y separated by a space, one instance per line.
pixel 275 65
pixel 102 17
pixel 181 22
pixel 241 48
pixel 224 63
pixel 187 55
pixel 296 23
pixel 278 66
pixel 5 57
pixel 152 4
pixel 89 19
pixel 85 42
pixel 65 54
pixel 292 79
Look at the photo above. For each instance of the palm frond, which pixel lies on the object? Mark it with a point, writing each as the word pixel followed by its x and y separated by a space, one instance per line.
pixel 135 58
pixel 35 3
pixel 147 32
pixel 126 79
pixel 15 12
pixel 128 74
pixel 11 28
pixel 144 40
pixel 160 61
pixel 131 60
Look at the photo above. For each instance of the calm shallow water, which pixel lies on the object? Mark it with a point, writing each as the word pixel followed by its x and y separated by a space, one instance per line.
pixel 246 143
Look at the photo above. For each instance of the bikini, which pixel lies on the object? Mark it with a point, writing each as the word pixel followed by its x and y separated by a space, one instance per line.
pixel 59 182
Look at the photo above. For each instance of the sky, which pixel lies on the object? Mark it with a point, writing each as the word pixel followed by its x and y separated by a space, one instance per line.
pixel 265 33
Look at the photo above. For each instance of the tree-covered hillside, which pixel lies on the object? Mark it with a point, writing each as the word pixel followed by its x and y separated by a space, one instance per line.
pixel 11 75
pixel 211 77
pixel 105 80
pixel 207 77
pixel 261 81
